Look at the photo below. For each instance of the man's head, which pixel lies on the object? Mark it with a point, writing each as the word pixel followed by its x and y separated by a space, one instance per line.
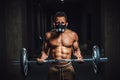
pixel 60 21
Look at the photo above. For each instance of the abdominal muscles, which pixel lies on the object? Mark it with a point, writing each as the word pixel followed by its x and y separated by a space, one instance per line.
pixel 59 53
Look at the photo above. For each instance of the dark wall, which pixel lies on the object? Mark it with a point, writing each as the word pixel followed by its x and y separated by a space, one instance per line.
pixel 14 24
pixel 2 42
pixel 110 24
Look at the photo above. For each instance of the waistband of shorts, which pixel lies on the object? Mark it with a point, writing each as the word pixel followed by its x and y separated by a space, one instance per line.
pixel 63 65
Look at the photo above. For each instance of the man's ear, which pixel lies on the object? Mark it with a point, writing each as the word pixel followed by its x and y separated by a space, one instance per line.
pixel 54 24
pixel 67 24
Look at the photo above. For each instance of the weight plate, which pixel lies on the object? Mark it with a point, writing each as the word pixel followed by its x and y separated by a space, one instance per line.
pixel 96 58
pixel 24 61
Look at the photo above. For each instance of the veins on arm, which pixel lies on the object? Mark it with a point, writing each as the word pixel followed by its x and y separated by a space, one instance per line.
pixel 76 48
pixel 45 50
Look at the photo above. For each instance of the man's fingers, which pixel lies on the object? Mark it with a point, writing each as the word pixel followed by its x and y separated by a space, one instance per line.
pixel 40 60
pixel 80 60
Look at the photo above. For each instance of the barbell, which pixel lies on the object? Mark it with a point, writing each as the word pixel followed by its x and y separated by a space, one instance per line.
pixel 95 59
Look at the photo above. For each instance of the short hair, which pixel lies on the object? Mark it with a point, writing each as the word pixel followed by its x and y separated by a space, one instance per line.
pixel 60 14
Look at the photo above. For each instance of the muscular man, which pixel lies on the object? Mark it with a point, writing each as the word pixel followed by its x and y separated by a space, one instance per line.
pixel 60 43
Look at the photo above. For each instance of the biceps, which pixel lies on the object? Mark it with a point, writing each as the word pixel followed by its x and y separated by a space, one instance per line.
pixel 75 45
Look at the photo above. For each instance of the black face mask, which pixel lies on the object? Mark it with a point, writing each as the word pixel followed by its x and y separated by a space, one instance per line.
pixel 60 28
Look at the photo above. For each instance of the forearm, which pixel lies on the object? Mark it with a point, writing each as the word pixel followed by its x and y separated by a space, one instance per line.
pixel 77 54
pixel 44 55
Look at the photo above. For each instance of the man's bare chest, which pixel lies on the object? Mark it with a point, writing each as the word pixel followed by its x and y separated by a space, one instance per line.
pixel 61 41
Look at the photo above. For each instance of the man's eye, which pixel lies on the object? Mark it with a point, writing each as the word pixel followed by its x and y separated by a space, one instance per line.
pixel 62 23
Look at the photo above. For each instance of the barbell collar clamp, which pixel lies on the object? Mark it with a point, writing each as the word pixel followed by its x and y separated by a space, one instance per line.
pixel 104 59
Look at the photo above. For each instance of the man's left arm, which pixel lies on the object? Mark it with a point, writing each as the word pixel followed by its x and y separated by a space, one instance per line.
pixel 76 49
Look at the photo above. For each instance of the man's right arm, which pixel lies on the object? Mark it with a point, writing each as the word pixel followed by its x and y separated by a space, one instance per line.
pixel 44 52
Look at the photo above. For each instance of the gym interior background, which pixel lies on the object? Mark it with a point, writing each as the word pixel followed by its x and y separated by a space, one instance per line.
pixel 23 22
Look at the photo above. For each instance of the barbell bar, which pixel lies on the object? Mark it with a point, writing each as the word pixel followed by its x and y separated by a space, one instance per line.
pixel 68 60
pixel 95 59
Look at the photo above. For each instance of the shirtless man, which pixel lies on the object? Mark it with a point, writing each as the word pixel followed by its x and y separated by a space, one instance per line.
pixel 60 43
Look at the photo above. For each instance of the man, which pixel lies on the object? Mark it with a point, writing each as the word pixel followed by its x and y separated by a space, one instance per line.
pixel 60 43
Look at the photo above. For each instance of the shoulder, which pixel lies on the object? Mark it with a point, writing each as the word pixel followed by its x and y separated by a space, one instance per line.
pixel 49 34
pixel 71 32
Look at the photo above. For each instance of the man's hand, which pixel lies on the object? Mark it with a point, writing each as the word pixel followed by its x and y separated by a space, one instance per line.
pixel 39 60
pixel 80 60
